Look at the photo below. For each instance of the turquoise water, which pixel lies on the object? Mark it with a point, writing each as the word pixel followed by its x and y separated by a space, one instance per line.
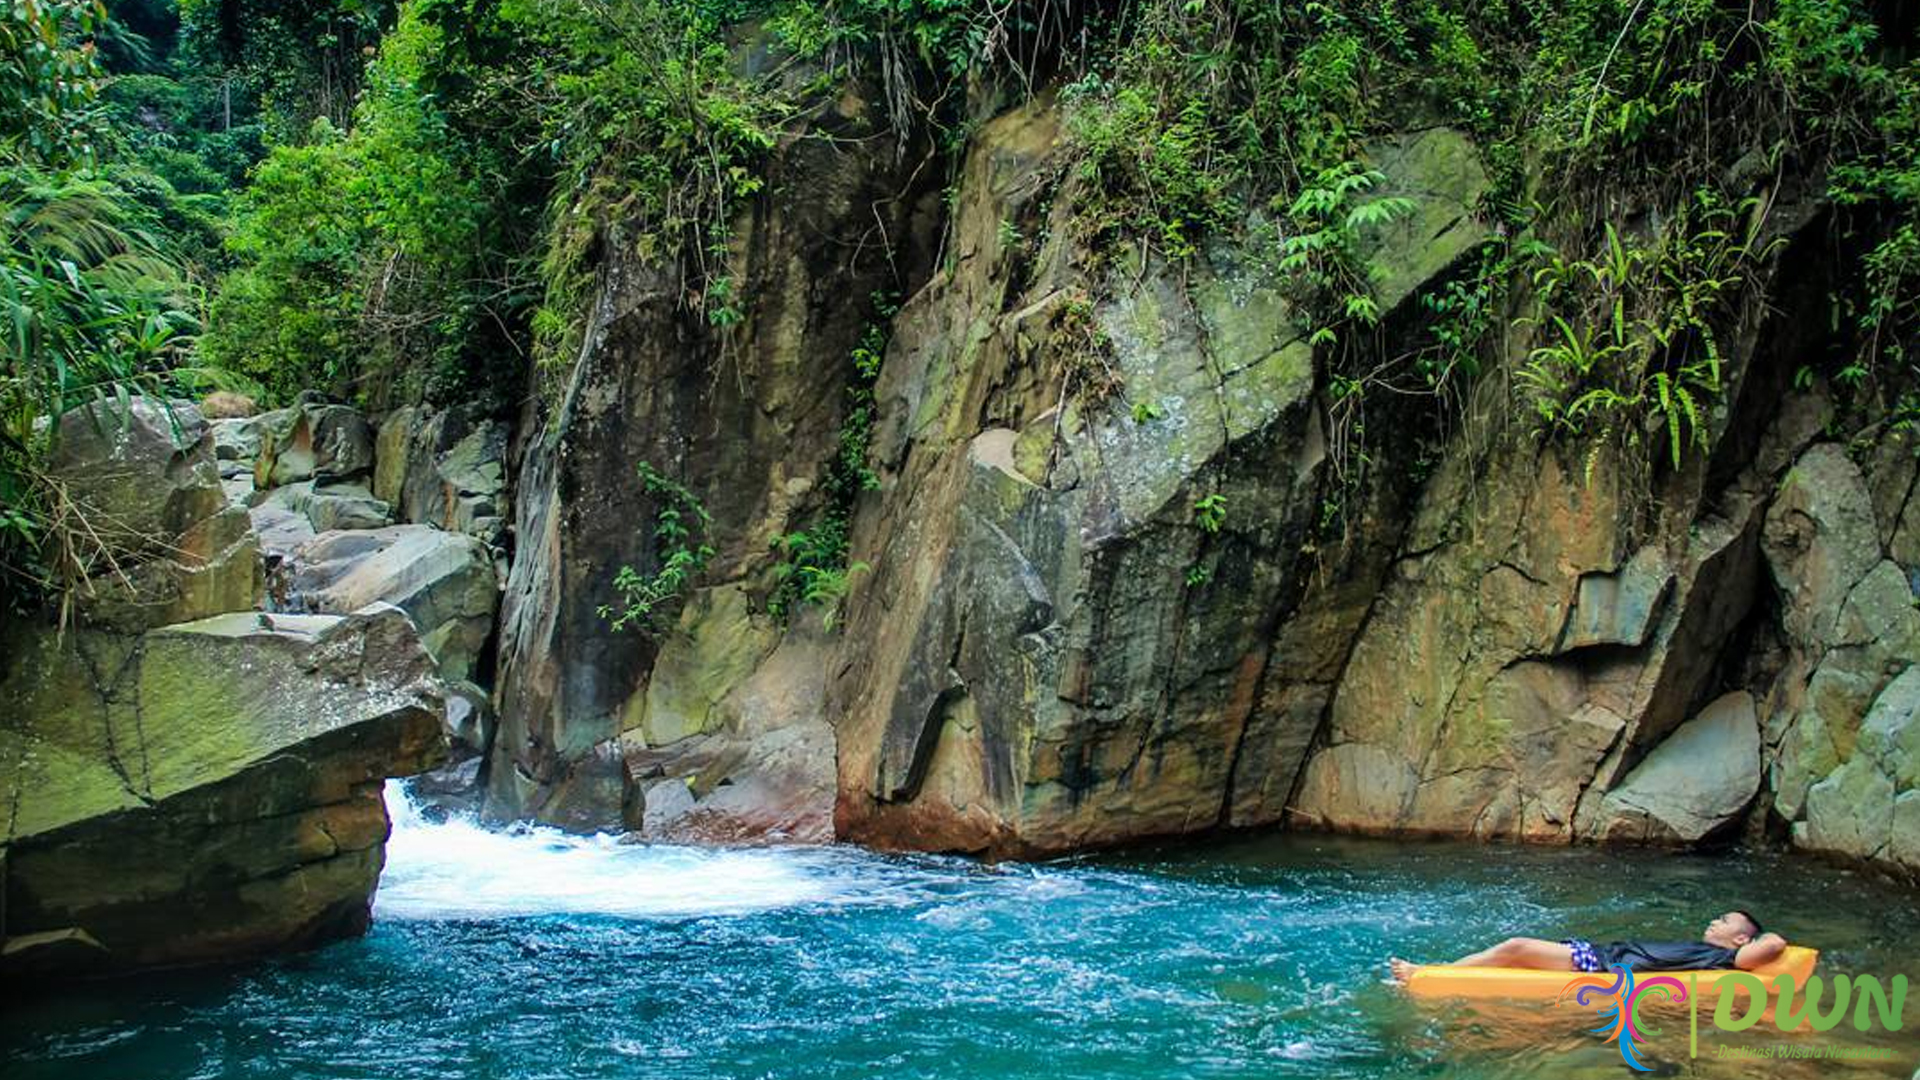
pixel 535 955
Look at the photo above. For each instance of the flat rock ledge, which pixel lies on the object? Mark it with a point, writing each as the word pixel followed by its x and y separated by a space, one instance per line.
pixel 203 792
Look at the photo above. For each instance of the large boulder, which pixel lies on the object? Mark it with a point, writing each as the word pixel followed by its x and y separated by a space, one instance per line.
pixel 164 543
pixel 443 581
pixel 204 792
pixel 1694 784
pixel 312 441
pixel 439 468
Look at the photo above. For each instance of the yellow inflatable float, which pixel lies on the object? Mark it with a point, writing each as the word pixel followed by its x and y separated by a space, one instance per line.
pixel 1445 980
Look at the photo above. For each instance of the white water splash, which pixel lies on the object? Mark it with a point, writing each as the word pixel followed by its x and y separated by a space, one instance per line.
pixel 458 869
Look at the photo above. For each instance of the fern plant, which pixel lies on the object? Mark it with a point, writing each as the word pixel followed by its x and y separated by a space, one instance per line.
pixel 679 528
pixel 1631 332
pixel 1329 218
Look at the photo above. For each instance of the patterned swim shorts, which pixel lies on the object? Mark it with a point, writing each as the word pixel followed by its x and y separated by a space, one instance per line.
pixel 1584 958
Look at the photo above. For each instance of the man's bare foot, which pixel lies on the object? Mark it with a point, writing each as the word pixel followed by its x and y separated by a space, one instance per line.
pixel 1402 969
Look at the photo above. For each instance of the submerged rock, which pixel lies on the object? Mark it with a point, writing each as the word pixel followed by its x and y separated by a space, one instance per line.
pixel 203 792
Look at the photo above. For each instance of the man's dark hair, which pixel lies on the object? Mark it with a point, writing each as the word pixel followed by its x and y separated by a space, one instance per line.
pixel 1751 921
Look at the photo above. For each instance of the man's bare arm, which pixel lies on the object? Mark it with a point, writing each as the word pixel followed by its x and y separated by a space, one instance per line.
pixel 1761 950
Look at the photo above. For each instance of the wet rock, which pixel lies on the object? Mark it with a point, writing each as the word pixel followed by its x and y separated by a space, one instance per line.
pixel 203 792
pixel 145 481
pixel 758 763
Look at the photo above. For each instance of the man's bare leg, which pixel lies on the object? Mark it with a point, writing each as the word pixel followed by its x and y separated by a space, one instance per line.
pixel 1536 953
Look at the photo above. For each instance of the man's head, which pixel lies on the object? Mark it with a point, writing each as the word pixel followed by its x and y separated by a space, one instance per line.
pixel 1732 930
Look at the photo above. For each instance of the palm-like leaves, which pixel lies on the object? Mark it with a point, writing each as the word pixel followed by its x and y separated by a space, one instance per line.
pixel 87 301
pixel 89 309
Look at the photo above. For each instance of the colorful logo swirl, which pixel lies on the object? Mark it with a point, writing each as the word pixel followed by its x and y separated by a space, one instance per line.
pixel 1619 1004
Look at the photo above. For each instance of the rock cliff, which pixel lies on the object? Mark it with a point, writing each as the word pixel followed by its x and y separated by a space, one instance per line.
pixel 1096 593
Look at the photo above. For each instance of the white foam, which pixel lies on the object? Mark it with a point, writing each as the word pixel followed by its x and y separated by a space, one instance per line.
pixel 458 869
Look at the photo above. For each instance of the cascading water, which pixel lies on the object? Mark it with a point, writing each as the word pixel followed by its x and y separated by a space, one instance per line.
pixel 458 869
pixel 526 953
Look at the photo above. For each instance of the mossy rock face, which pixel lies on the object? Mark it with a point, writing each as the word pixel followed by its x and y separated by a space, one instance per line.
pixel 207 791
pixel 716 648
pixel 1439 171
pixel 144 479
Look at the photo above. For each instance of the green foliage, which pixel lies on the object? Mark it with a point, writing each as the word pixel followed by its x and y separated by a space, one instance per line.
pixel 646 126
pixel 1464 312
pixel 289 62
pixel 363 253
pixel 1881 187
pixel 1329 218
pixel 1631 332
pixel 1210 512
pixel 814 570
pixel 94 303
pixel 49 80
pixel 814 567
pixel 288 317
pixel 1199 114
pixel 1162 161
pixel 679 529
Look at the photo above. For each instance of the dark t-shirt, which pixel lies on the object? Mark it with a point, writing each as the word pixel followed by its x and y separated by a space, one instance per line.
pixel 1665 955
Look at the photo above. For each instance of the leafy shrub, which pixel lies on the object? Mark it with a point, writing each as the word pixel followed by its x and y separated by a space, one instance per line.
pixel 679 528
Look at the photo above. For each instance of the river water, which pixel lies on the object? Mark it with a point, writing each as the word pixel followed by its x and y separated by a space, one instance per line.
pixel 530 954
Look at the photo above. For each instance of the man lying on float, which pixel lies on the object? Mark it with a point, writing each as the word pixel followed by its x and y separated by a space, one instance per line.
pixel 1733 940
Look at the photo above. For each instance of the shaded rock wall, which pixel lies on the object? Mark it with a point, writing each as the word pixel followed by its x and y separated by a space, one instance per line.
pixel 600 729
